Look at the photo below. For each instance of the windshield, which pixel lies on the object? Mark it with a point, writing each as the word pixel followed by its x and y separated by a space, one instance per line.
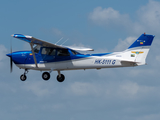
pixel 37 48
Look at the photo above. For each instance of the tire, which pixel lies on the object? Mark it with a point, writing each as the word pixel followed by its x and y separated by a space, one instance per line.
pixel 23 77
pixel 60 79
pixel 46 76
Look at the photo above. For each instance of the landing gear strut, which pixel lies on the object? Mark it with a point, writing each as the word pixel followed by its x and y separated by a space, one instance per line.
pixel 23 77
pixel 60 77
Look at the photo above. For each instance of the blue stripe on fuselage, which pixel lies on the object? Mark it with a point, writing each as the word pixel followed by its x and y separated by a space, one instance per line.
pixel 26 57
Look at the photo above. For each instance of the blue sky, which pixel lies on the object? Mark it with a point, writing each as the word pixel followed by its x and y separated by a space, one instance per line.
pixel 114 94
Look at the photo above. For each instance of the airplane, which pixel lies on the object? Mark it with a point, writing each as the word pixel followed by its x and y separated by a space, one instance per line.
pixel 48 57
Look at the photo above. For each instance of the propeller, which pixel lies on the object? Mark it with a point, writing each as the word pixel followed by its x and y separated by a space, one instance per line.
pixel 11 62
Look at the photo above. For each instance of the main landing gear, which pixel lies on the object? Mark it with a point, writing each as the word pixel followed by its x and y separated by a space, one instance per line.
pixel 45 76
pixel 60 77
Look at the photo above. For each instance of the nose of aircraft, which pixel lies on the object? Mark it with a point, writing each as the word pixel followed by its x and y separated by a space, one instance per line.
pixel 9 55
pixel 18 57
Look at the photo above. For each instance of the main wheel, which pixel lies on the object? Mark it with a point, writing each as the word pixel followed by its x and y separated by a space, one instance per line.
pixel 23 77
pixel 60 79
pixel 45 76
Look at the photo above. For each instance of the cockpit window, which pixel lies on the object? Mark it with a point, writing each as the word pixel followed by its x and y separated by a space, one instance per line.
pixel 37 48
pixel 63 53
pixel 48 51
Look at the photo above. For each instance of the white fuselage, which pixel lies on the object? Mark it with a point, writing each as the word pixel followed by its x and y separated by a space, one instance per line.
pixel 93 62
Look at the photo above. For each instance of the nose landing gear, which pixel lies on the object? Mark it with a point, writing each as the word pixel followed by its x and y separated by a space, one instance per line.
pixel 23 77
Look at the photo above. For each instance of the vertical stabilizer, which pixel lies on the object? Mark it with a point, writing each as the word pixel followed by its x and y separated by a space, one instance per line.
pixel 143 40
pixel 138 51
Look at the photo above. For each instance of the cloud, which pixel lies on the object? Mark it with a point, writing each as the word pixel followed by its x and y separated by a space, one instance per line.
pixel 124 44
pixel 82 89
pixel 147 18
pixel 3 51
pixel 38 88
pixel 57 32
pixel 123 90
pixel 129 88
pixel 158 58
pixel 108 16
pixel 150 117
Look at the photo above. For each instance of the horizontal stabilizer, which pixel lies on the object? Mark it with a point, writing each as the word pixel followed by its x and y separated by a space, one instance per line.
pixel 79 48
pixel 128 61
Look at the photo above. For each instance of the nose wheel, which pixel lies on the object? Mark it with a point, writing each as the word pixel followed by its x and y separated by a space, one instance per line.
pixel 23 77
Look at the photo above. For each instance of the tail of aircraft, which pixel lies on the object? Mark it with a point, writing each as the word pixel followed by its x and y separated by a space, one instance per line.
pixel 138 51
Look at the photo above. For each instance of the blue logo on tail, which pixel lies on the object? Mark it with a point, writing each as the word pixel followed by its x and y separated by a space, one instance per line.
pixel 143 40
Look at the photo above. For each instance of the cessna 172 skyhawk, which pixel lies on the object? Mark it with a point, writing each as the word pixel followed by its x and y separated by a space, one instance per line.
pixel 51 57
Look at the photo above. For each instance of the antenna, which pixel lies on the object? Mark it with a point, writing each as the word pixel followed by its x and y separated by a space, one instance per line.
pixel 65 41
pixel 58 41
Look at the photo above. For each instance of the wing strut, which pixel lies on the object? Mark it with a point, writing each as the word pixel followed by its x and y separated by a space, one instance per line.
pixel 34 57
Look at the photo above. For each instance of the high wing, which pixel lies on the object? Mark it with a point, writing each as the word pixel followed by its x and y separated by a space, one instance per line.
pixel 33 40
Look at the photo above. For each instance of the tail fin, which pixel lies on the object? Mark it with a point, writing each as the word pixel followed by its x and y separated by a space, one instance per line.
pixel 138 51
pixel 143 40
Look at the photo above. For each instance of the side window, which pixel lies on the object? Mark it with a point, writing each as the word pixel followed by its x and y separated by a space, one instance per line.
pixel 74 52
pixel 63 53
pixel 48 51
pixel 52 52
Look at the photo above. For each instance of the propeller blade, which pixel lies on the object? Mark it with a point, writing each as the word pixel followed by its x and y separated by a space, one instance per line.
pixel 11 62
